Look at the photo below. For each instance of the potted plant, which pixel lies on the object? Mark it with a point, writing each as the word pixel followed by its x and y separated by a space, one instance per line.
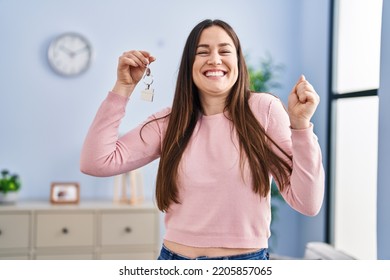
pixel 9 187
pixel 264 78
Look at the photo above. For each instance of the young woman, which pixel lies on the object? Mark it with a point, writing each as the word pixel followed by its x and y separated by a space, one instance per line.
pixel 219 147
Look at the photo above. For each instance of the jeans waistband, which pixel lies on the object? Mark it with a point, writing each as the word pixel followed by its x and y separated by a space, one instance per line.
pixel 261 254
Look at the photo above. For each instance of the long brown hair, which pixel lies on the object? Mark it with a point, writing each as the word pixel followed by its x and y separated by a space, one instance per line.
pixel 255 146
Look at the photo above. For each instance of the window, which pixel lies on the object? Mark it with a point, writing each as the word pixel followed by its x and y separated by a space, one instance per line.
pixel 353 134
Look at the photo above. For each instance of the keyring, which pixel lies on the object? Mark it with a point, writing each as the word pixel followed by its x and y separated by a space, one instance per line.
pixel 148 77
pixel 148 93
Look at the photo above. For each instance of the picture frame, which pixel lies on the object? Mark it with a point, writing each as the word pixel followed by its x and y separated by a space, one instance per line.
pixel 65 193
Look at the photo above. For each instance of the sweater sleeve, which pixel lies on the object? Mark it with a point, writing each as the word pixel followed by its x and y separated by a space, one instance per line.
pixel 104 153
pixel 306 190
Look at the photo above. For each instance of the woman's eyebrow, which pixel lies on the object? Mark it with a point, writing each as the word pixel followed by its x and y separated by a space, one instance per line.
pixel 208 46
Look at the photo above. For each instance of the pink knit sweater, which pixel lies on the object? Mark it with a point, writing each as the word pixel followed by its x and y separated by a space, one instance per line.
pixel 218 207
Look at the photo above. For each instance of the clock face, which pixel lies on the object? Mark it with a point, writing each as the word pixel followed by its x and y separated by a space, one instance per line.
pixel 70 54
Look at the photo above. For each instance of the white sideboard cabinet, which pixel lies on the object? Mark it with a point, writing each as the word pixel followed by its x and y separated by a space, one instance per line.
pixel 89 230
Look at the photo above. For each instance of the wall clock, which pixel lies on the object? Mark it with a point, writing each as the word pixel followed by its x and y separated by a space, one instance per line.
pixel 70 54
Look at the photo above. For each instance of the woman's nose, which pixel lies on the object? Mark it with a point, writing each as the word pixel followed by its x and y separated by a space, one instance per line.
pixel 215 59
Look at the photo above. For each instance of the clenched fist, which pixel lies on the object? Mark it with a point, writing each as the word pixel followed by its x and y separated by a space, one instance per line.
pixel 302 103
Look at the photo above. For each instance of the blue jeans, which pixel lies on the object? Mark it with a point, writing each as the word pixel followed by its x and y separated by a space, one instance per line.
pixel 262 254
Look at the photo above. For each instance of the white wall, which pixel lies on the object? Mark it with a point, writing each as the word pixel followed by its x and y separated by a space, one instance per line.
pixel 44 117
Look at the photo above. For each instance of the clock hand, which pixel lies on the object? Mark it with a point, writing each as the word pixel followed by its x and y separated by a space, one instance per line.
pixel 67 51
pixel 83 49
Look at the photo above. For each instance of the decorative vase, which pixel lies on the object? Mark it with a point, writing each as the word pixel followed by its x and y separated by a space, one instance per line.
pixel 8 197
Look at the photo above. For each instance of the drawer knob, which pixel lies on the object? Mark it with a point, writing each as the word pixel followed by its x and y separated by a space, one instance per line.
pixel 127 229
pixel 0 232
pixel 65 231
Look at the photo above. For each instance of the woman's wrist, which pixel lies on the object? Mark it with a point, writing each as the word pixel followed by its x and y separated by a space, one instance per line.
pixel 302 124
pixel 124 90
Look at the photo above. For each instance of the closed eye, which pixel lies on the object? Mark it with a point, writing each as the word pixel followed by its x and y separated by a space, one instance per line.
pixel 224 52
pixel 202 53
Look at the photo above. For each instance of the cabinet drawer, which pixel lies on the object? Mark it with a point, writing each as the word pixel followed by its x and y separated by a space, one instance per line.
pixel 129 256
pixel 64 229
pixel 128 228
pixel 14 231
pixel 14 257
pixel 65 257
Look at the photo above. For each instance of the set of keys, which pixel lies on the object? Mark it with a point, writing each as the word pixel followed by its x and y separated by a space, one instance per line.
pixel 148 93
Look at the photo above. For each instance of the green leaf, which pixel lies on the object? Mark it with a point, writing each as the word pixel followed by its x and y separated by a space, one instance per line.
pixel 9 183
pixel 263 79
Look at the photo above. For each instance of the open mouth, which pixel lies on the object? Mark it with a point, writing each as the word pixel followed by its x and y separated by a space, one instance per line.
pixel 215 73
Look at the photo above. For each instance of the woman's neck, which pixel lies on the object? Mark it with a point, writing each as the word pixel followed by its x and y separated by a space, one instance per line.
pixel 213 105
